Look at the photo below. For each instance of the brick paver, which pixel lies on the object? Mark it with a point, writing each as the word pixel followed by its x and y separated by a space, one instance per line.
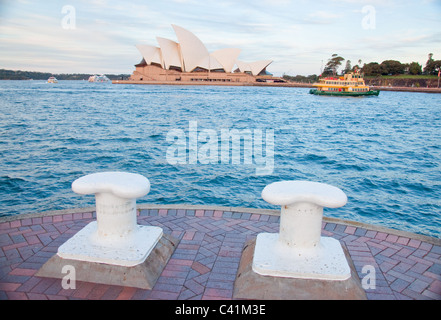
pixel 205 263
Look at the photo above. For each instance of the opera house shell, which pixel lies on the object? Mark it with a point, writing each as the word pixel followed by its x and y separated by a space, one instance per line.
pixel 189 60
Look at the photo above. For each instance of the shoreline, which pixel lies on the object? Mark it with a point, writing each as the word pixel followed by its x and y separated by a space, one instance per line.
pixel 407 89
pixel 264 84
pixel 269 212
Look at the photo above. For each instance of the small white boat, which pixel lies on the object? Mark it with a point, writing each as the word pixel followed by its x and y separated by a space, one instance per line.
pixel 97 78
pixel 52 80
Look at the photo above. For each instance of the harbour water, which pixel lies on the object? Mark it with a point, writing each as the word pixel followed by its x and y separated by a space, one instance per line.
pixel 383 152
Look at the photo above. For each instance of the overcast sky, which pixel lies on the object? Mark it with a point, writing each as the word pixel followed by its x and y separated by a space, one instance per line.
pixel 99 36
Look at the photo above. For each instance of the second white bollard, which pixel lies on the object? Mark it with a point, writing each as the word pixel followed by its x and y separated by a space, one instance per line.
pixel 298 250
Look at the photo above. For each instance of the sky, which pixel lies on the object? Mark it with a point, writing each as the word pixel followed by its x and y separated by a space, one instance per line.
pixel 99 36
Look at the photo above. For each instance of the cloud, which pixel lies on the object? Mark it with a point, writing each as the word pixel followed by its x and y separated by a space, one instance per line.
pixel 322 17
pixel 368 2
pixel 295 34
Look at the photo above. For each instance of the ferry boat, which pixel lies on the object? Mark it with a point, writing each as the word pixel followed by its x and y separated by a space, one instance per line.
pixel 352 85
pixel 52 80
pixel 97 78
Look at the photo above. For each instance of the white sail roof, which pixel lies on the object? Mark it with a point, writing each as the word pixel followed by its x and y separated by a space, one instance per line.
pixel 190 53
pixel 150 54
pixel 209 63
pixel 170 53
pixel 194 52
pixel 258 66
pixel 243 66
pixel 226 57
pixel 254 67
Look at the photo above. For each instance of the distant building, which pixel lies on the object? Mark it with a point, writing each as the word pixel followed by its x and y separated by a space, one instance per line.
pixel 189 60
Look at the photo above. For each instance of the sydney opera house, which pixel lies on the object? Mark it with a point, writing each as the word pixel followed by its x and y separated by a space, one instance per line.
pixel 188 60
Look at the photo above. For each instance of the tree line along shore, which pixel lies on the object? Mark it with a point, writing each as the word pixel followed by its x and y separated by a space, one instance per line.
pixel 34 75
pixel 378 80
pixel 389 73
pixel 419 81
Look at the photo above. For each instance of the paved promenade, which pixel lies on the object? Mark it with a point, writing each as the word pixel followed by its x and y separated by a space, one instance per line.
pixel 204 265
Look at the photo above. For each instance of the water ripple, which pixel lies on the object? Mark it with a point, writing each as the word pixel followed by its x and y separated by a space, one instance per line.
pixel 384 152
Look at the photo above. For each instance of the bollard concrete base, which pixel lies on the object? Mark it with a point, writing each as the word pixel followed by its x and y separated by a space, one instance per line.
pixel 143 275
pixel 128 250
pixel 326 261
pixel 251 285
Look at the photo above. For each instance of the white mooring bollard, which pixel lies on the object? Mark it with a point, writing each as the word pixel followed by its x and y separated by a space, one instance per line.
pixel 115 238
pixel 298 250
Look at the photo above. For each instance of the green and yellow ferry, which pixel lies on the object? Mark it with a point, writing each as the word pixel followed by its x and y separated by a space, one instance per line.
pixel 351 85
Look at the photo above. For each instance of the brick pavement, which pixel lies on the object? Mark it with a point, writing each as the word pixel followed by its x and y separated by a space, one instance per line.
pixel 206 260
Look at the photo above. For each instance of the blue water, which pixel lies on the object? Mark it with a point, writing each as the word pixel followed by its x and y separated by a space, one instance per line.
pixel 383 152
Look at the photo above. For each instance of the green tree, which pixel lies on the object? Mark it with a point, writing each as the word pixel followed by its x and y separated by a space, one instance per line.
pixel 432 66
pixel 372 69
pixel 428 67
pixel 415 68
pixel 331 67
pixel 391 67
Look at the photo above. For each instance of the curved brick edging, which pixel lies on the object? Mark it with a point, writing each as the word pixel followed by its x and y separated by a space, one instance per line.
pixel 205 262
pixel 355 224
